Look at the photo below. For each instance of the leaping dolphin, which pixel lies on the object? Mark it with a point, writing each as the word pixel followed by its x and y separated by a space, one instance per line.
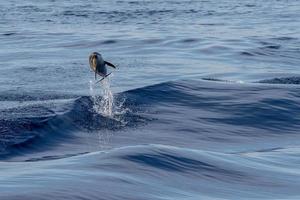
pixel 98 65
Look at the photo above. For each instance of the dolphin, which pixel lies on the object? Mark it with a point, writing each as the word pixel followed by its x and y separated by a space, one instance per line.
pixel 98 65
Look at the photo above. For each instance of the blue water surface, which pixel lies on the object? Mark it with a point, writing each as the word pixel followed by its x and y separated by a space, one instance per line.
pixel 204 104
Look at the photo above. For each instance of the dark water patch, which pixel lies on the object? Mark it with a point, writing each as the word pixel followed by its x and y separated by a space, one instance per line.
pixel 154 12
pixel 192 11
pixel 190 40
pixel 285 38
pixel 266 150
pixel 31 69
pixel 250 5
pixel 213 79
pixel 55 157
pixel 136 3
pixel 212 24
pixel 285 80
pixel 75 13
pixel 109 42
pixel 246 53
pixel 133 2
pixel 134 14
pixel 59 33
pixel 9 33
pixel 274 46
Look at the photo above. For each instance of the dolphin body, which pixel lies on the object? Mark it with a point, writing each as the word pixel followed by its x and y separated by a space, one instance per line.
pixel 98 65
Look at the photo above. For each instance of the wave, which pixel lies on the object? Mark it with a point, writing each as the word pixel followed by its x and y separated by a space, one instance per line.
pixel 197 108
pixel 152 168
pixel 284 80
pixel 173 159
pixel 23 135
pixel 293 80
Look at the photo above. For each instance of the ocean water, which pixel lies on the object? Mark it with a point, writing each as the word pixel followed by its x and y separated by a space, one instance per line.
pixel 204 104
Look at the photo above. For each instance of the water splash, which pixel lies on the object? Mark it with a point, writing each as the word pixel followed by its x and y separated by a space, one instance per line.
pixel 107 100
pixel 107 104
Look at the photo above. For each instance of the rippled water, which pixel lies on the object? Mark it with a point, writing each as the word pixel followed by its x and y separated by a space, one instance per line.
pixel 204 103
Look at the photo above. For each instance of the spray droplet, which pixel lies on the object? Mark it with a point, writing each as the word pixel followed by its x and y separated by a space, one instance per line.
pixel 106 104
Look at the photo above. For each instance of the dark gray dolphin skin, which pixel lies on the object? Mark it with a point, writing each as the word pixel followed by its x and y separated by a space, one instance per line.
pixel 98 65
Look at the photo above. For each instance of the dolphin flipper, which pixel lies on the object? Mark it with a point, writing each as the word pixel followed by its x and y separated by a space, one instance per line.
pixel 109 64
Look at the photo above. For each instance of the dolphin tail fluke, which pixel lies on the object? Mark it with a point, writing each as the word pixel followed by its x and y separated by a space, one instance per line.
pixel 103 78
